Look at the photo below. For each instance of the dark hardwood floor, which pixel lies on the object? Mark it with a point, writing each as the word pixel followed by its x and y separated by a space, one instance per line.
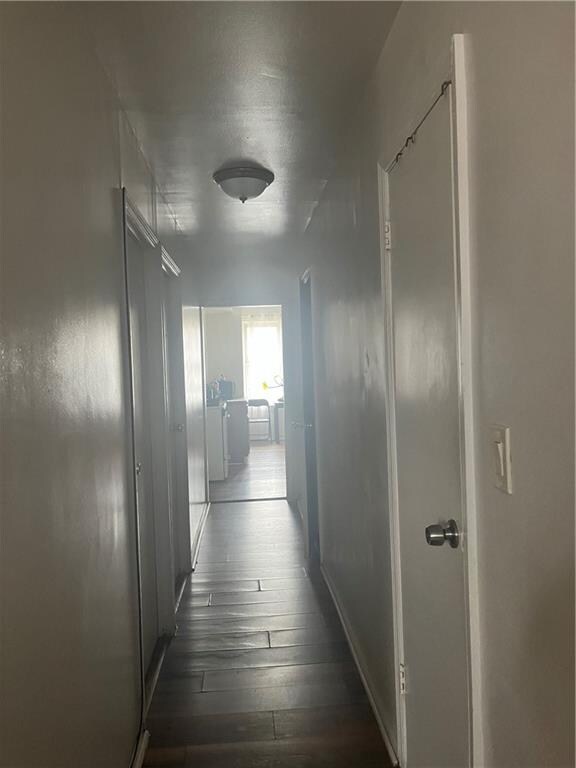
pixel 259 674
pixel 262 477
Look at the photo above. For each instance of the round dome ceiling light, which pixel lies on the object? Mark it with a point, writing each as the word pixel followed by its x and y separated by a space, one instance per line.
pixel 243 182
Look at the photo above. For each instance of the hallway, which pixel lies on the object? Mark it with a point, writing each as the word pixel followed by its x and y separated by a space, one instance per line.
pixel 361 216
pixel 259 673
pixel 262 477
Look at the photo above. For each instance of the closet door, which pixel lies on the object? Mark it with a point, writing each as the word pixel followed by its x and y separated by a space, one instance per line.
pixel 177 449
pixel 141 396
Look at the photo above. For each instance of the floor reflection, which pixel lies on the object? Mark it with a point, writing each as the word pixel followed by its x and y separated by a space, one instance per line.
pixel 262 477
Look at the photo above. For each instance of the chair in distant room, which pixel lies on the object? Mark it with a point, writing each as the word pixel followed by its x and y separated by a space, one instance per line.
pixel 259 413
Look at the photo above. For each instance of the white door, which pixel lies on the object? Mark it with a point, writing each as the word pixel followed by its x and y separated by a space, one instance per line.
pixel 176 410
pixel 142 447
pixel 428 446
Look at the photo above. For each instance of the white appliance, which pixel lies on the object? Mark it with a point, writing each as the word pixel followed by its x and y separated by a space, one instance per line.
pixel 217 442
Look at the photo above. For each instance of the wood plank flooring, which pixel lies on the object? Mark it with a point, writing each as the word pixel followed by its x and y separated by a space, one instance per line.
pixel 262 477
pixel 259 674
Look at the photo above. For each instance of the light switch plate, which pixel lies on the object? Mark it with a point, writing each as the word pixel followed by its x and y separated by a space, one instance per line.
pixel 501 457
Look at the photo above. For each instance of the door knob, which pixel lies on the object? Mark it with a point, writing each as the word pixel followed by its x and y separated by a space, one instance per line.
pixel 436 535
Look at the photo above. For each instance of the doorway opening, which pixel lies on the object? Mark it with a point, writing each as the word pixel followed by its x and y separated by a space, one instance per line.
pixel 308 425
pixel 245 425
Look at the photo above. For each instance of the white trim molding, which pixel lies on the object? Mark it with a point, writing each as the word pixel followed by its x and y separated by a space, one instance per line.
pixel 168 263
pixel 357 661
pixel 199 533
pixel 461 153
pixel 398 620
pixel 141 748
pixel 137 224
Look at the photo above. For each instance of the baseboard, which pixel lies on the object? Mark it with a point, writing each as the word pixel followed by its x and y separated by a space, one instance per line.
pixel 244 501
pixel 154 670
pixel 141 748
pixel 198 535
pixel 180 585
pixel 293 504
pixel 160 651
pixel 350 637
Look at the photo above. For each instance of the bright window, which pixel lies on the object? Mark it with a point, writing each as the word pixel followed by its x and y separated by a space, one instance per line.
pixel 263 372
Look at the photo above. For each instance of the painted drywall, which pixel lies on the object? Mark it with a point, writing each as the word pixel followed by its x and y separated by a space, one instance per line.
pixel 223 346
pixel 187 71
pixel 351 422
pixel 69 656
pixel 193 372
pixel 522 159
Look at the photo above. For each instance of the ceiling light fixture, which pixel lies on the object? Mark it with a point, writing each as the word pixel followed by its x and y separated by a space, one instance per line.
pixel 243 182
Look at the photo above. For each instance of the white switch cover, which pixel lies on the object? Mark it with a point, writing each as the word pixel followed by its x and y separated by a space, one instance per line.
pixel 500 437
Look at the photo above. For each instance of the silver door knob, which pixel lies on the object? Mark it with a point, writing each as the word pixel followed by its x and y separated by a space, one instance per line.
pixel 300 425
pixel 436 535
pixel 138 467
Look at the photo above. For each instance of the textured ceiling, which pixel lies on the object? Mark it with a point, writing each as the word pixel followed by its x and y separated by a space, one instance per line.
pixel 206 83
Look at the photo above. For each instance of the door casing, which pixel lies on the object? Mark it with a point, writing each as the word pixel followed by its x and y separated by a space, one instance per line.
pixel 464 299
pixel 142 437
pixel 155 260
pixel 313 549
pixel 176 411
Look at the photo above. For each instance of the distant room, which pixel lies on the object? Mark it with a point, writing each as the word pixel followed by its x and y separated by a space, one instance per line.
pixel 245 425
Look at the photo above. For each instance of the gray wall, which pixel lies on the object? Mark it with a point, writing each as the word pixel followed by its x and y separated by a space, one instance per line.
pixel 69 666
pixel 223 346
pixel 522 133
pixel 193 369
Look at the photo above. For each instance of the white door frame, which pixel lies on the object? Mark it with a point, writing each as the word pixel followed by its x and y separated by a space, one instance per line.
pixel 176 409
pixel 465 310
pixel 204 422
pixel 155 260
